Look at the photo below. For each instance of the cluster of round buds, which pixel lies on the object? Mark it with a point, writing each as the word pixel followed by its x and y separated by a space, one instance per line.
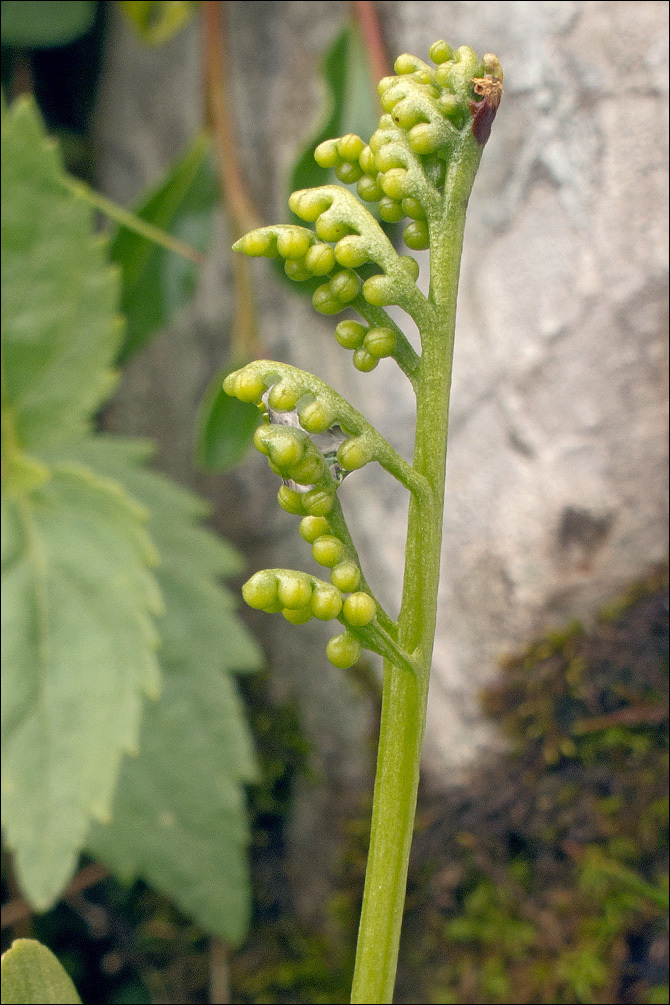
pixel 369 345
pixel 304 255
pixel 333 296
pixel 426 107
pixel 301 597
pixel 341 154
pixel 291 452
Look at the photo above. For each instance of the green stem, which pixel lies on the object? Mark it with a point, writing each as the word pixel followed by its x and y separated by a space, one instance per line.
pixel 405 695
pixel 132 222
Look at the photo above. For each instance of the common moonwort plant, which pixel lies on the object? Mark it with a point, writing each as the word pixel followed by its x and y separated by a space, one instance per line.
pixel 420 163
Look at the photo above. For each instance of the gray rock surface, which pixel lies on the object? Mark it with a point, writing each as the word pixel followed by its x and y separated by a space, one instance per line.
pixel 557 473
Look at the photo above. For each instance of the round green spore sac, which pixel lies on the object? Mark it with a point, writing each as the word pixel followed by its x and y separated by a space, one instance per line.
pixel 328 550
pixel 395 183
pixel 262 437
pixel 424 138
pixel 326 601
pixel 283 397
pixel 379 291
pixel 391 210
pixel 367 161
pixel 414 209
pixel 378 139
pixel 406 63
pixel 369 189
pixel 391 97
pixel 294 590
pixel 343 650
pixel 359 609
pixel 346 576
pixel 440 52
pixel 348 173
pixel 298 617
pixel 385 83
pixel 290 500
pixel 274 608
pixel 312 527
pixel 345 286
pixel 324 302
pixel 309 204
pixel 353 453
pixel 315 417
pixel 320 259
pixel 249 387
pixel 293 243
pixel 326 154
pixel 329 229
pixel 318 502
pixel 453 108
pixel 364 360
pixel 491 65
pixel 350 147
pixel 411 266
pixel 296 270
pixel 259 243
pixel 307 471
pixel 425 77
pixel 380 342
pixel 260 591
pixel 350 334
pixel 286 449
pixel 415 235
pixel 388 159
pixel 351 251
pixel 229 382
pixel 406 114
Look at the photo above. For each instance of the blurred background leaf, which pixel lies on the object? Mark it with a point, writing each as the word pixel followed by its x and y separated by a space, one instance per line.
pixel 31 975
pixel 29 24
pixel 80 639
pixel 179 814
pixel 156 284
pixel 225 426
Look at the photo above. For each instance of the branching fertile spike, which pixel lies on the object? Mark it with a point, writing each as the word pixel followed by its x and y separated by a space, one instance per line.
pixel 420 163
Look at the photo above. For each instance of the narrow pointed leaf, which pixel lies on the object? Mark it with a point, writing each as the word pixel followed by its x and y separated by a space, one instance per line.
pixel 31 975
pixel 156 283
pixel 156 21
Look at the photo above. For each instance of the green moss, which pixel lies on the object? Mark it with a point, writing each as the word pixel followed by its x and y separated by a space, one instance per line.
pixel 548 876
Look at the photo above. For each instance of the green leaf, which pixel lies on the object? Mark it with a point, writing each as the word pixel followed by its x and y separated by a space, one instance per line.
pixel 156 283
pixel 156 21
pixel 31 975
pixel 78 648
pixel 61 332
pixel 78 597
pixel 351 105
pixel 41 25
pixel 225 427
pixel 179 818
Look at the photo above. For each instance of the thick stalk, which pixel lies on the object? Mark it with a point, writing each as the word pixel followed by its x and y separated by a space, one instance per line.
pixel 405 695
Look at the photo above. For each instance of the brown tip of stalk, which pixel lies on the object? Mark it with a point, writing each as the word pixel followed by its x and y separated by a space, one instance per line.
pixel 489 88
